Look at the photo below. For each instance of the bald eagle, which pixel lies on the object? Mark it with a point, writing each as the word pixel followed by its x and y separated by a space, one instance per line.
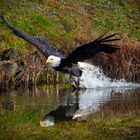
pixel 62 62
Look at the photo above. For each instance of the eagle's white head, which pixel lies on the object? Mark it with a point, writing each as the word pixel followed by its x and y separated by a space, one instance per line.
pixel 53 61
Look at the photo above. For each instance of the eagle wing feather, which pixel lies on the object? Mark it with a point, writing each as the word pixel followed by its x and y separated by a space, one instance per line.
pixel 87 51
pixel 42 44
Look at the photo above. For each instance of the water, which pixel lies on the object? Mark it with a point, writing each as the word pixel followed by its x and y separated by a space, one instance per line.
pixel 93 77
pixel 46 106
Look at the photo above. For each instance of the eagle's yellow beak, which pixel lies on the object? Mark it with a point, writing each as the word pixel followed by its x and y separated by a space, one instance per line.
pixel 47 61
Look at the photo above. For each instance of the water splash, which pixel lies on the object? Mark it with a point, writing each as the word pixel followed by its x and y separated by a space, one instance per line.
pixel 93 77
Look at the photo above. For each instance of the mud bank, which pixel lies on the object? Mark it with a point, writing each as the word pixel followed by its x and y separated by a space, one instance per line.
pixel 26 70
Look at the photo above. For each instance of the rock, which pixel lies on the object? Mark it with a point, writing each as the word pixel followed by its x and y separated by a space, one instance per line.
pixel 9 54
pixel 8 66
pixel 19 69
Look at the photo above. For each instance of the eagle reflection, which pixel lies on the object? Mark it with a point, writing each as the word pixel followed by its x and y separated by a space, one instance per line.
pixel 81 104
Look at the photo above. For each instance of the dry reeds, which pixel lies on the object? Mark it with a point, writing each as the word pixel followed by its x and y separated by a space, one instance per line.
pixel 30 69
pixel 124 64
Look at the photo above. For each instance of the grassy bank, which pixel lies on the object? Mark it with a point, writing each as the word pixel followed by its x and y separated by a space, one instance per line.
pixel 110 129
pixel 69 23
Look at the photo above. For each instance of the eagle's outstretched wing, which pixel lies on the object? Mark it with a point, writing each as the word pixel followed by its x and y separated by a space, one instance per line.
pixel 81 53
pixel 42 44
pixel 87 51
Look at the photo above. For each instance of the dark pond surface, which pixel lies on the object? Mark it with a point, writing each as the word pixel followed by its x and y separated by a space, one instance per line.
pixel 48 105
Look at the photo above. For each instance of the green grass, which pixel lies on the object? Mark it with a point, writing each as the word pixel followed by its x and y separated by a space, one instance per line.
pixel 24 124
pixel 63 22
pixel 118 16
pixel 69 23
